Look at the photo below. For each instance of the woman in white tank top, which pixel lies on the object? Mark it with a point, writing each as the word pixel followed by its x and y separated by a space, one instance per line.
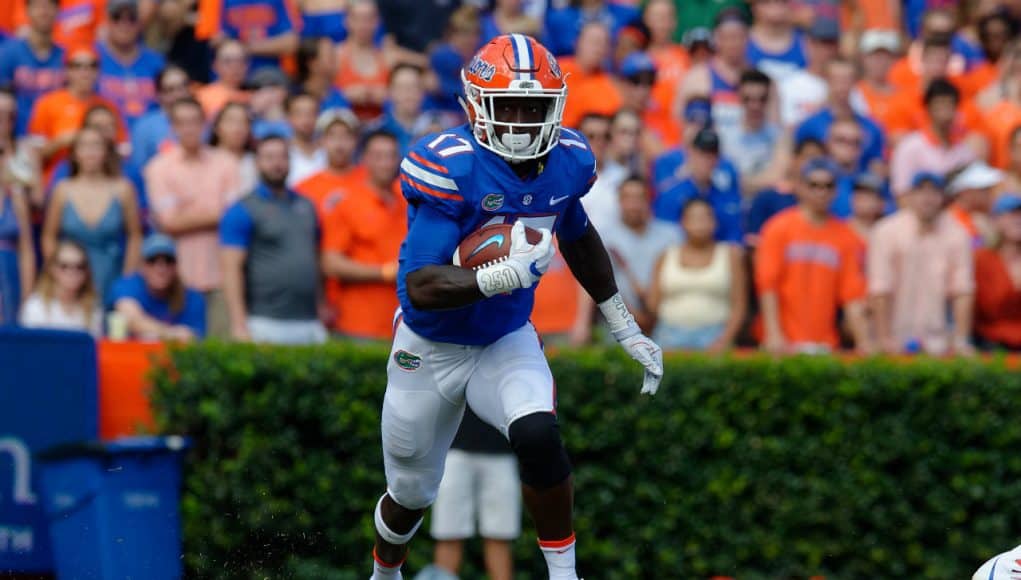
pixel 698 292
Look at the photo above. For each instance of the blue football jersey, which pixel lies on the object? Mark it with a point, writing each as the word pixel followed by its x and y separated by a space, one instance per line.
pixel 454 187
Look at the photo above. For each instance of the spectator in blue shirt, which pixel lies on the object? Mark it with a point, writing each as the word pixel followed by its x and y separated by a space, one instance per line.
pixel 154 301
pixel 460 43
pixel 127 68
pixel 841 76
pixel 403 114
pixel 702 177
pixel 34 65
pixel 667 169
pixel 563 25
pixel 152 132
pixel 269 96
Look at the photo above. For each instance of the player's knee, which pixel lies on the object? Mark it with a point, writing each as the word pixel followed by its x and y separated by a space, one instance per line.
pixel 415 491
pixel 536 441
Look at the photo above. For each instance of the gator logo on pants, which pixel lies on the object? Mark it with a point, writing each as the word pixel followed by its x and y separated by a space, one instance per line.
pixel 407 361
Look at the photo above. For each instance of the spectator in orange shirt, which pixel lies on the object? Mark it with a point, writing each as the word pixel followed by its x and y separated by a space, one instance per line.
pixel 1001 105
pixel 77 21
pixel 637 77
pixel 660 18
pixel 874 96
pixel 362 236
pixel 998 280
pixel 807 267
pixel 362 70
pixel 861 16
pixel 937 25
pixel 908 112
pixel 995 32
pixel 591 88
pixel 338 136
pixel 57 116
pixel 231 67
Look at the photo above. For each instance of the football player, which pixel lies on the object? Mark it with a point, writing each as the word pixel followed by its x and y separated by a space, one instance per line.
pixel 464 335
pixel 1005 566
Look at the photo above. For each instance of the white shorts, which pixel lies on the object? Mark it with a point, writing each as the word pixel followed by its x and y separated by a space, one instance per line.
pixel 277 331
pixel 478 487
pixel 427 385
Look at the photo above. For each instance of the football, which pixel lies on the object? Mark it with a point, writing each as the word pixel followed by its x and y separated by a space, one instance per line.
pixel 489 245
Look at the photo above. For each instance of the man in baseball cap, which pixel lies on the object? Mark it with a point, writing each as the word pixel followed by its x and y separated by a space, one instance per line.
pixel 972 189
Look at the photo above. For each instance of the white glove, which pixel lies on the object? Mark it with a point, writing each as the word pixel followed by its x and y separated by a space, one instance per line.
pixel 649 355
pixel 522 268
pixel 638 346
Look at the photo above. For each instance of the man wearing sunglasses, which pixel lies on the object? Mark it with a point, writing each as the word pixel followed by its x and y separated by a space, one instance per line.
pixel 58 115
pixel 127 68
pixel 154 300
pixel 756 147
pixel 807 267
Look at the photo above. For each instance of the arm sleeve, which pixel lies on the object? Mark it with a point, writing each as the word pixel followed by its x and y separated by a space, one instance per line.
pixel 432 238
pixel 236 227
pixel 573 223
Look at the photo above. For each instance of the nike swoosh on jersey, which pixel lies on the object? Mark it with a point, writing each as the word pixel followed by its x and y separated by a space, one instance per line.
pixel 556 200
pixel 497 239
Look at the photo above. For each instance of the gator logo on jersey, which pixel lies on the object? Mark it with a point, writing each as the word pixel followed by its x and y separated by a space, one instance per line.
pixel 492 201
pixel 482 69
pixel 407 361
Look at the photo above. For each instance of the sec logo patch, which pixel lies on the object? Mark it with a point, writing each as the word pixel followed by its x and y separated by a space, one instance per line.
pixel 492 201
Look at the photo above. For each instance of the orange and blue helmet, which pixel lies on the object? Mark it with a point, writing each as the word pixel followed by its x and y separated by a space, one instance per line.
pixel 514 66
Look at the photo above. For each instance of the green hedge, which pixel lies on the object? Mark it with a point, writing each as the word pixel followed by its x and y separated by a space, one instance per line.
pixel 754 468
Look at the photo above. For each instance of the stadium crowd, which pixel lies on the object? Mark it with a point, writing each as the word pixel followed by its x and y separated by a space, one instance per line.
pixel 803 175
